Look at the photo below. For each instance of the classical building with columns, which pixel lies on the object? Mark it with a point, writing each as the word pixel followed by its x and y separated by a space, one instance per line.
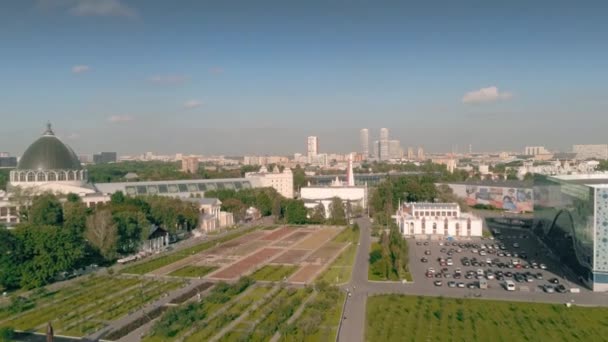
pixel 436 220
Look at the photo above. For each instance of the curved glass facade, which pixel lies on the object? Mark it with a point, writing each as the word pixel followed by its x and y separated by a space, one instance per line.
pixel 571 216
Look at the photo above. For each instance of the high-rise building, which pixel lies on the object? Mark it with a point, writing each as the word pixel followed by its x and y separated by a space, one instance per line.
pixel 591 151
pixel 104 157
pixel 189 164
pixel 376 150
pixel 312 147
pixel 535 150
pixel 4 154
pixel 364 140
pixel 410 153
pixel 394 149
pixel 420 153
pixel 384 149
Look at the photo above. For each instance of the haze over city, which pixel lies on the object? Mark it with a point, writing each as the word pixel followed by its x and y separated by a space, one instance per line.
pixel 237 78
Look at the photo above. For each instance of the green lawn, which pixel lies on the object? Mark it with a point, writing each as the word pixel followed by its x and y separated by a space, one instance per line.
pixel 274 272
pixel 319 320
pixel 82 307
pixel 193 271
pixel 234 310
pixel 154 264
pixel 410 318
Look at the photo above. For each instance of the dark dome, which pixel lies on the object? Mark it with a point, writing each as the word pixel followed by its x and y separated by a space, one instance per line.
pixel 49 153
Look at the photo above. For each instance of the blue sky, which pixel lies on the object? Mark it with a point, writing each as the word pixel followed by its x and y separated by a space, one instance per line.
pixel 237 77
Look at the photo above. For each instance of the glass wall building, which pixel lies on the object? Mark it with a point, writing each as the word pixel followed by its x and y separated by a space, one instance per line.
pixel 571 217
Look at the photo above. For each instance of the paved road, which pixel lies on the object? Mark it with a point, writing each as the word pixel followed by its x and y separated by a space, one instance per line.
pixel 354 310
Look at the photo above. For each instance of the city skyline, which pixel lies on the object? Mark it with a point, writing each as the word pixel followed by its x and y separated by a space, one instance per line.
pixel 273 77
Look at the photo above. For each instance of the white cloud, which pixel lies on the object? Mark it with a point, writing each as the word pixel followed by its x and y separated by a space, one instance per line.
pixel 489 94
pixel 168 79
pixel 192 104
pixel 79 69
pixel 113 8
pixel 120 118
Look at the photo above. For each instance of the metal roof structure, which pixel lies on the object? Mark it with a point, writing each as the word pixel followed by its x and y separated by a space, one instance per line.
pixel 49 153
pixel 178 188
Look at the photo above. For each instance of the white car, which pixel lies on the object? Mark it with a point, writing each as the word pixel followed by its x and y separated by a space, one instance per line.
pixel 490 276
pixel 509 285
pixel 543 266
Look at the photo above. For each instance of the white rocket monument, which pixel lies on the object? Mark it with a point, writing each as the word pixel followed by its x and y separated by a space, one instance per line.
pixel 350 176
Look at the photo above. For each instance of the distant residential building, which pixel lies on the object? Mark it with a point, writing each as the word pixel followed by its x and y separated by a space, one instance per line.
pixel 420 154
pixel 4 154
pixel 312 147
pixel 364 141
pixel 410 153
pixel 265 160
pixel 394 149
pixel 484 169
pixel 376 150
pixel 535 150
pixel 450 163
pixel 384 146
pixel 282 182
pixel 591 151
pixel 436 219
pixel 190 164
pixel 104 157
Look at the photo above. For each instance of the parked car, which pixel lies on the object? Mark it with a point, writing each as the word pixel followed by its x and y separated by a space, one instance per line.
pixel 549 288
pixel 509 285
pixel 561 288
pixel 438 283
pixel 424 260
pixel 451 284
pixel 427 252
pixel 554 281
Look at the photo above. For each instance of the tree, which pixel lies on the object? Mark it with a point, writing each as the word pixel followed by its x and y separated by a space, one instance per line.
pixel 263 203
pixel 117 198
pixel 318 214
pixel 75 216
pixel 336 209
pixel 102 233
pixel 299 177
pixel 45 210
pixel 133 228
pixel 10 259
pixel 47 250
pixel 295 212
pixel 236 207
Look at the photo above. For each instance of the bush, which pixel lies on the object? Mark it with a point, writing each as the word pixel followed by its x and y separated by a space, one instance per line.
pixel 6 334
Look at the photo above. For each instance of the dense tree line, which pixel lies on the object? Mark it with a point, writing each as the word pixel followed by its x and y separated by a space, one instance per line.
pixel 391 259
pixel 57 236
pixel 159 170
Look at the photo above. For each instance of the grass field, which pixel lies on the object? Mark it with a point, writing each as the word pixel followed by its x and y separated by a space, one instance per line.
pixel 154 264
pixel 191 271
pixel 274 272
pixel 341 269
pixel 85 306
pixel 442 319
pixel 319 320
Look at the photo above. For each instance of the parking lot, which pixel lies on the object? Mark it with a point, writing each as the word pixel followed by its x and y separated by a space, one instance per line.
pixel 513 259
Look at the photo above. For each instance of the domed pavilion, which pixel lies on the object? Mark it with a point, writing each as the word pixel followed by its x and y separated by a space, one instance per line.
pixel 50 165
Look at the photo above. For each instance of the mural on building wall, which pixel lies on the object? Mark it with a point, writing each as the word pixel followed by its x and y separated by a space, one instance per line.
pixel 512 199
